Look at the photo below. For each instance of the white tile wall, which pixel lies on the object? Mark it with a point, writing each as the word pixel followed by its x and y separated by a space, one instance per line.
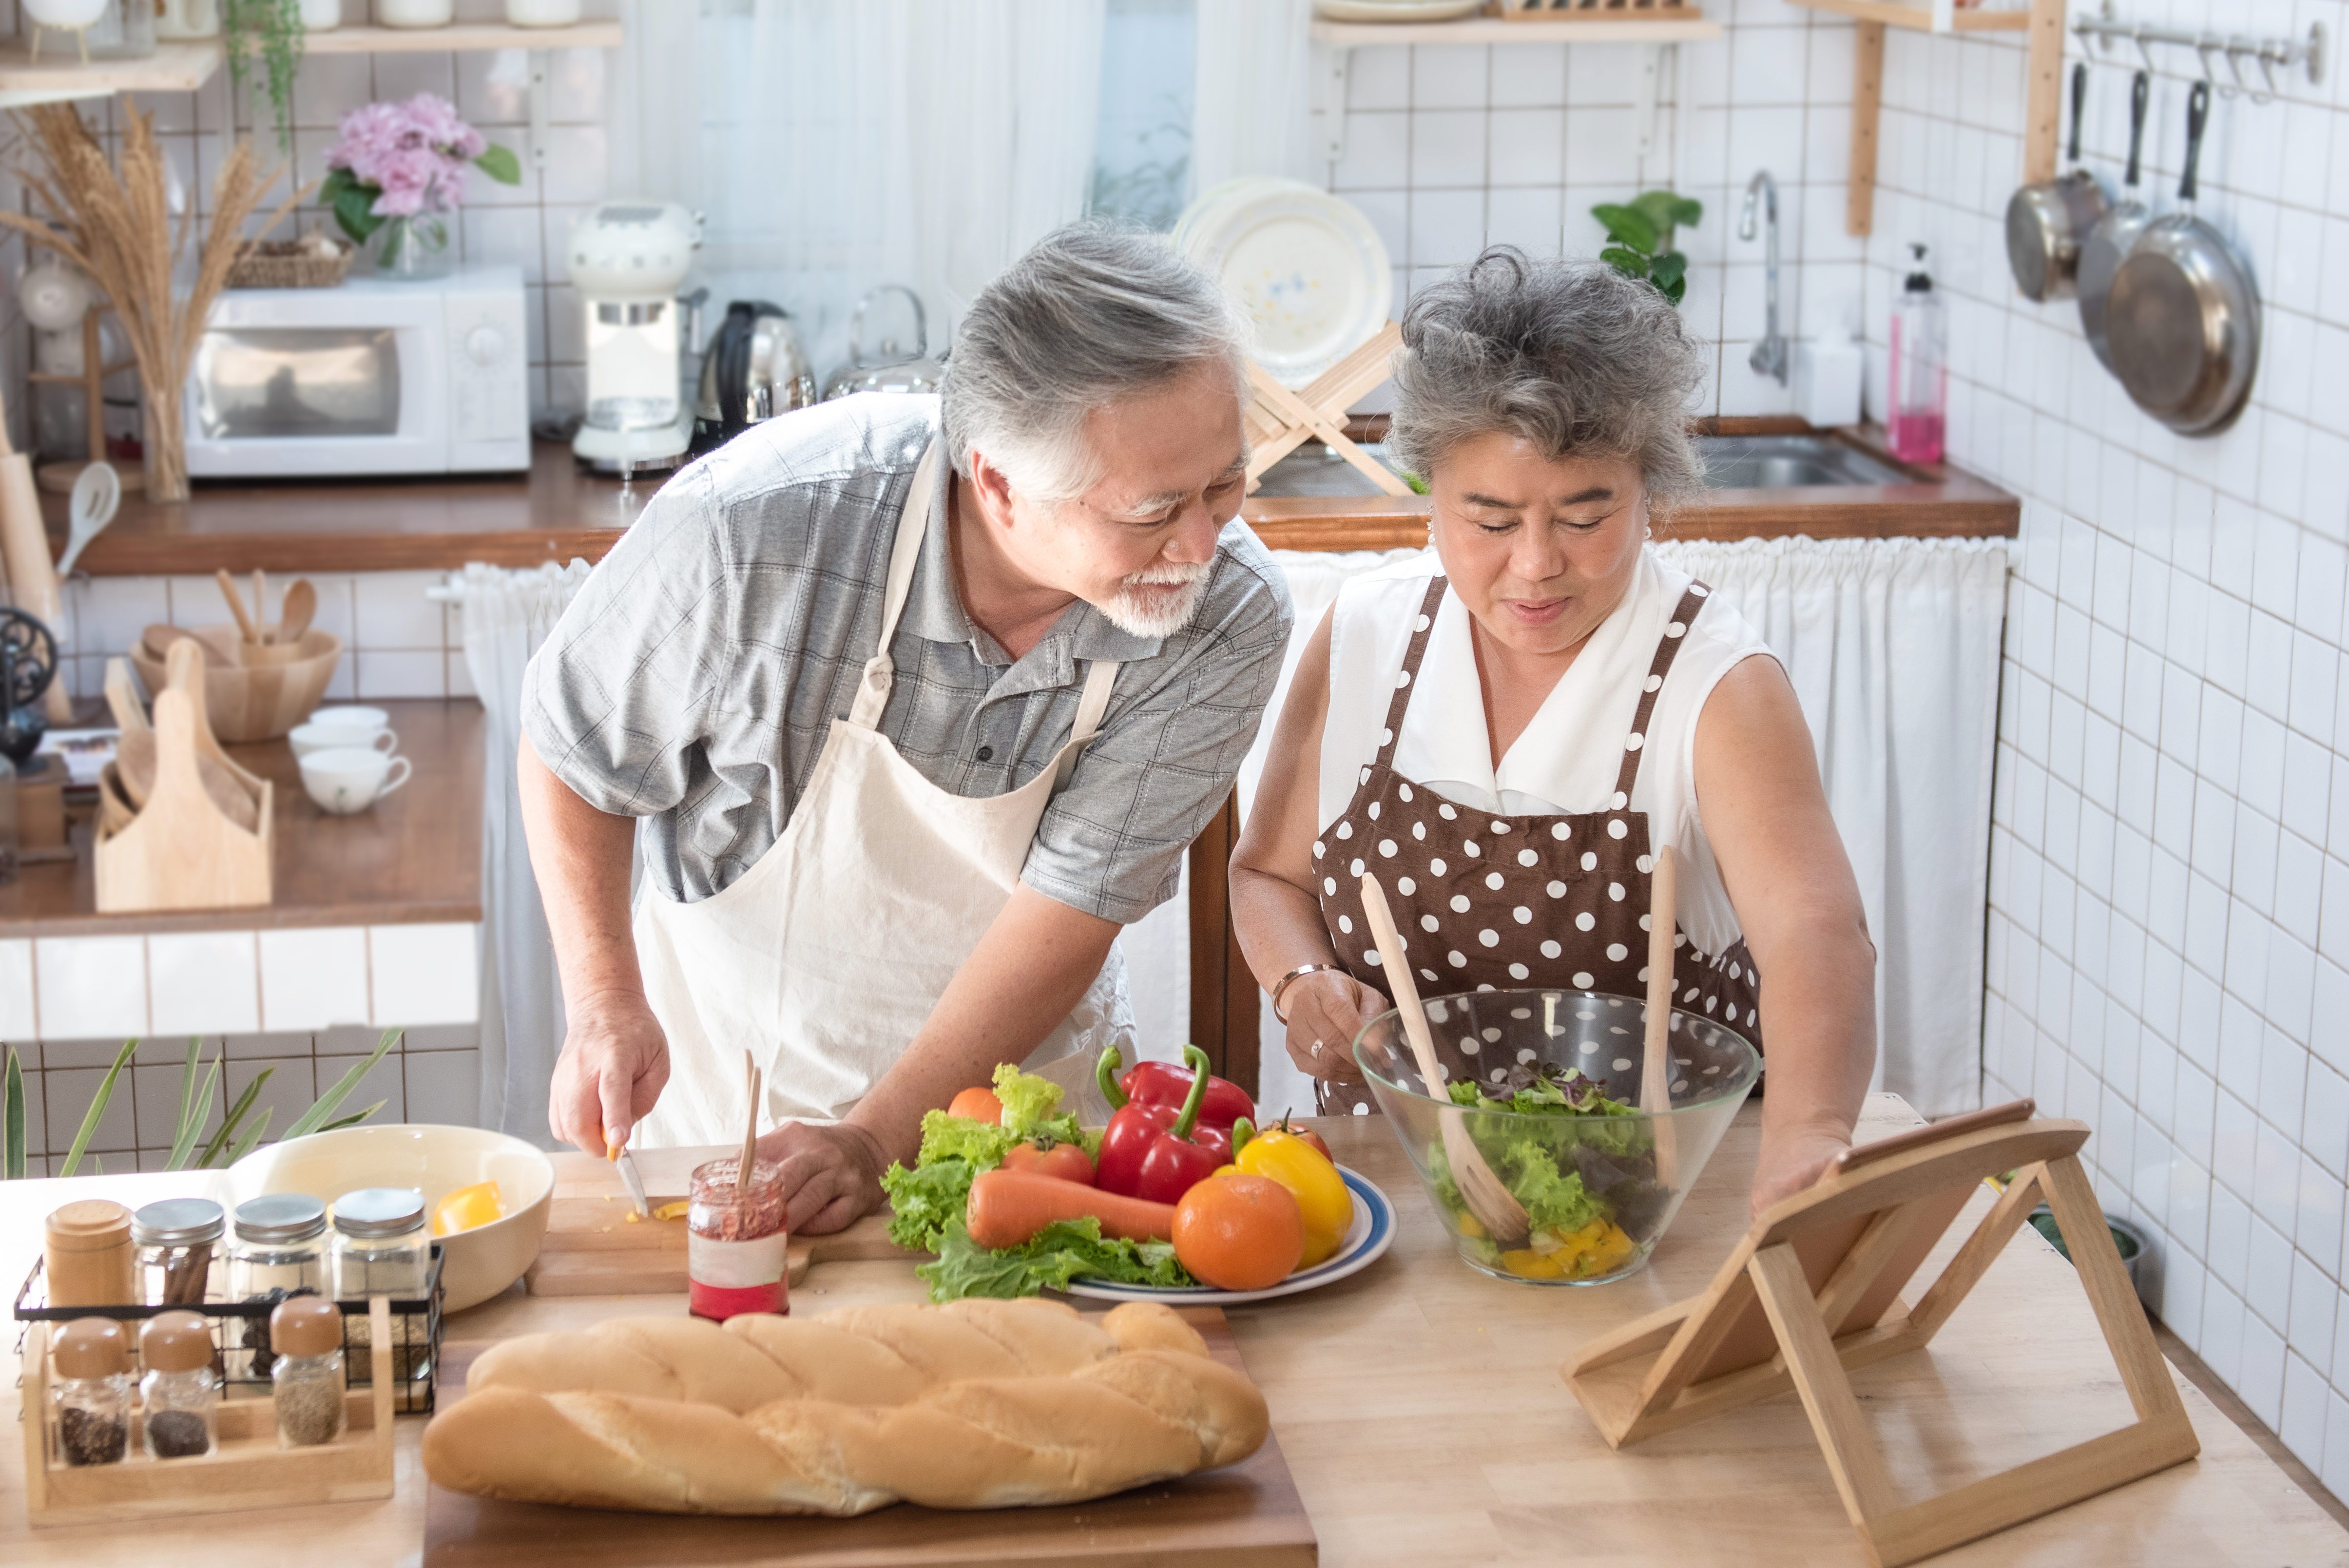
pixel 2168 941
pixel 312 979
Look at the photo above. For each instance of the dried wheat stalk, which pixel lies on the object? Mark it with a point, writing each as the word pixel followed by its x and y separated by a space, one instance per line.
pixel 118 228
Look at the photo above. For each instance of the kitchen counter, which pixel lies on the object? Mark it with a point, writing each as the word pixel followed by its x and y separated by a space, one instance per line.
pixel 1421 1413
pixel 558 512
pixel 414 857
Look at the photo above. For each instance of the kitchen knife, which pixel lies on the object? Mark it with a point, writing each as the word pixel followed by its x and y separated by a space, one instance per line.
pixel 635 1182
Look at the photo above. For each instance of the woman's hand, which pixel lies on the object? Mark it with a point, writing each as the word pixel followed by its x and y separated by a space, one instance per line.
pixel 1792 1160
pixel 1325 1010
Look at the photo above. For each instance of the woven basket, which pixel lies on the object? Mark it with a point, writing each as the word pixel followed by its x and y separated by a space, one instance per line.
pixel 290 264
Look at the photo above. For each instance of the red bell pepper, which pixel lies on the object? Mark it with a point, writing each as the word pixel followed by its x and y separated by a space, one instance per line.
pixel 1155 1151
pixel 1165 1083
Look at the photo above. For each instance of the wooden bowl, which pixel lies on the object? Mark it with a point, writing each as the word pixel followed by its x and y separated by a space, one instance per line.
pixel 253 701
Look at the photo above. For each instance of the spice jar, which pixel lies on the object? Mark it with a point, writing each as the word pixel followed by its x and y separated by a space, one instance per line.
pixel 307 1377
pixel 179 1251
pixel 91 1357
pixel 181 1392
pixel 88 1258
pixel 734 1244
pixel 381 1244
pixel 278 1250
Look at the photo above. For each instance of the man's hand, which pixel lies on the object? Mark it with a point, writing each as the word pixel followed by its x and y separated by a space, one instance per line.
pixel 1791 1160
pixel 831 1173
pixel 614 1060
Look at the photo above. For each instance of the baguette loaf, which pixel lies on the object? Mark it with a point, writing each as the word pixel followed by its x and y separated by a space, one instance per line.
pixel 978 1404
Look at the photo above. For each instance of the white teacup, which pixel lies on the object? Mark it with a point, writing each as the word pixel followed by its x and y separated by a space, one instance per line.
pixel 356 715
pixel 307 739
pixel 346 778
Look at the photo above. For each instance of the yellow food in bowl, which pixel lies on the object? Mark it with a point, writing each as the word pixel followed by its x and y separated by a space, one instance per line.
pixel 468 1208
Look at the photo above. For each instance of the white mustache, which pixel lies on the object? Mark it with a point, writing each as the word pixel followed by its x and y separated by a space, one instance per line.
pixel 1164 573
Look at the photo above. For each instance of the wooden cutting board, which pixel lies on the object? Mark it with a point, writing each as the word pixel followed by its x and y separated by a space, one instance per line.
pixel 1246 1515
pixel 594 1247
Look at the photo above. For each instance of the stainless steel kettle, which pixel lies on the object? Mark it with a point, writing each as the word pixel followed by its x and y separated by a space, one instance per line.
pixel 890 369
pixel 755 371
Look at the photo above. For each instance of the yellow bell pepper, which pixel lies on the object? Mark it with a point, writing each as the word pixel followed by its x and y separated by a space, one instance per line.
pixel 1321 1195
pixel 1526 1263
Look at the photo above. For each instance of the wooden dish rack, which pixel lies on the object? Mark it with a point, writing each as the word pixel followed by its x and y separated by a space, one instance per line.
pixel 246 1470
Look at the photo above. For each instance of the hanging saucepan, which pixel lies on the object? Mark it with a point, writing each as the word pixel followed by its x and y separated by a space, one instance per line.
pixel 2046 219
pixel 2108 245
pixel 2184 319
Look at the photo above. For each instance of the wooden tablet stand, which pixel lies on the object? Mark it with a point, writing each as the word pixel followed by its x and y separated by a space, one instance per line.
pixel 1280 422
pixel 1813 1290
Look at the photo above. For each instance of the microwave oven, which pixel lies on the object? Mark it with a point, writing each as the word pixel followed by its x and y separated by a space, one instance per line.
pixel 369 378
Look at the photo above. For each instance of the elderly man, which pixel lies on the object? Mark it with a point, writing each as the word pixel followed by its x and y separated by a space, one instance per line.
pixel 910 703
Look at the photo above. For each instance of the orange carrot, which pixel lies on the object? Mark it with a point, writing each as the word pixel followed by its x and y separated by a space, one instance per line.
pixel 1008 1208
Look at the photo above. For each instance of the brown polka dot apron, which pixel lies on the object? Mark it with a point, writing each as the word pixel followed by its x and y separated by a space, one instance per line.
pixel 1486 900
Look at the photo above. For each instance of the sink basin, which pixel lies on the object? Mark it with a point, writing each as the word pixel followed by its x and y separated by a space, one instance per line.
pixel 1781 463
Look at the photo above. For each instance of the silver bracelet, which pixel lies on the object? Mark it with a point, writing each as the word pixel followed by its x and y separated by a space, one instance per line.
pixel 1299 973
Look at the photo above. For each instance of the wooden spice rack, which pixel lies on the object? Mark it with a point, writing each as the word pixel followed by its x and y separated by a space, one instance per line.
pixel 246 1470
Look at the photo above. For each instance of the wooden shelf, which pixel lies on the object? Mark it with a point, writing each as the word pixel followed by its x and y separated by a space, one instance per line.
pixel 464 37
pixel 1494 30
pixel 59 73
pixel 1919 18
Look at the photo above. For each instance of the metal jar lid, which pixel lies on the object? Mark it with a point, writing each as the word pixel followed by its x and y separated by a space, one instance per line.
pixel 373 1213
pixel 280 1217
pixel 176 1342
pixel 178 1223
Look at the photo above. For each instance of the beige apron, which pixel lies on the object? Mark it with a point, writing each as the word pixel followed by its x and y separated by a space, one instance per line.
pixel 825 957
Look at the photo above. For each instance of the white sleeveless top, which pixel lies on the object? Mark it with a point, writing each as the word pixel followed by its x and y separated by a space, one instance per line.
pixel 1569 755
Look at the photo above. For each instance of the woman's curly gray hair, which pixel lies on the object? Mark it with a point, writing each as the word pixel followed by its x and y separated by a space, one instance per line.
pixel 1573 357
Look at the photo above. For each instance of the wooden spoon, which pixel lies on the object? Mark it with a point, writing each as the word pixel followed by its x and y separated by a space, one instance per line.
pixel 1656 1071
pixel 293 615
pixel 1495 1206
pixel 743 1171
pixel 261 605
pixel 236 605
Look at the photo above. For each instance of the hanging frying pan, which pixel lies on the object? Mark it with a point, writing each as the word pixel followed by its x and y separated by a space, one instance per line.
pixel 2108 245
pixel 2046 219
pixel 2183 319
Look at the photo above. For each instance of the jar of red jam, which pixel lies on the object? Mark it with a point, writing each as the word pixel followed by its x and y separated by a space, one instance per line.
pixel 734 1244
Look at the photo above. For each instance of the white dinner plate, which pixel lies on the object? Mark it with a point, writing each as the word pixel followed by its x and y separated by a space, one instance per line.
pixel 1367 1240
pixel 1305 267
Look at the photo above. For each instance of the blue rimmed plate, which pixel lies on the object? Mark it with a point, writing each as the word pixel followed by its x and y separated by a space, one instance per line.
pixel 1367 1238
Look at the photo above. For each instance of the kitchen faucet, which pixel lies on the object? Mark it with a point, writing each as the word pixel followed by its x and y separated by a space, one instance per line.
pixel 1769 357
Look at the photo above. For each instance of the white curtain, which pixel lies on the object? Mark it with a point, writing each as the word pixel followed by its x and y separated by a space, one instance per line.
pixel 1252 104
pixel 1892 646
pixel 839 144
pixel 506 614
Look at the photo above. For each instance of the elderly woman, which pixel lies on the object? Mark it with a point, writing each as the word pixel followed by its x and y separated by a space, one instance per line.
pixel 1502 730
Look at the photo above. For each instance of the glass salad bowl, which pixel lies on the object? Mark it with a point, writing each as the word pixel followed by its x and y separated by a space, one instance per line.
pixel 1553 1112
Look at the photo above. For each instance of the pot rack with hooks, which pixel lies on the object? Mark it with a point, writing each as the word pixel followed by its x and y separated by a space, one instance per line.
pixel 2268 54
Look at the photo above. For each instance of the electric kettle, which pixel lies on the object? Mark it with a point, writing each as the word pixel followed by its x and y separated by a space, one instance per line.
pixel 890 369
pixel 755 371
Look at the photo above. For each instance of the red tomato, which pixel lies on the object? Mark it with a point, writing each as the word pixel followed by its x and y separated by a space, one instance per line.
pixel 1051 1157
pixel 1309 1137
pixel 978 1105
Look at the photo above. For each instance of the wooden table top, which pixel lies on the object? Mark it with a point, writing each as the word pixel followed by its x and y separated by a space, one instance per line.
pixel 557 512
pixel 415 856
pixel 1421 1411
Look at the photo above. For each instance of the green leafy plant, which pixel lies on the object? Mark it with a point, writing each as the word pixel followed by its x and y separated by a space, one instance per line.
pixel 1642 235
pixel 231 1141
pixel 269 34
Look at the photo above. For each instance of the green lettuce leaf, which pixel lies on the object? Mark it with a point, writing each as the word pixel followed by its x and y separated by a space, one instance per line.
pixel 1056 1254
pixel 925 1201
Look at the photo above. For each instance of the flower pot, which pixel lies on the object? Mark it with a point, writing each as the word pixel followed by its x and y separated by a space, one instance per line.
pixel 415 13
pixel 187 19
pixel 321 15
pixel 542 13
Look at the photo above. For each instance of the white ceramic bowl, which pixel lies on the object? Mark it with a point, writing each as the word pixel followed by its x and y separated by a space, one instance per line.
pixel 476 1265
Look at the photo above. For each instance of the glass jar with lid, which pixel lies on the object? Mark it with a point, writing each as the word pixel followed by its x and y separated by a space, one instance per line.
pixel 179 1251
pixel 180 1396
pixel 381 1245
pixel 306 1380
pixel 277 1249
pixel 91 1359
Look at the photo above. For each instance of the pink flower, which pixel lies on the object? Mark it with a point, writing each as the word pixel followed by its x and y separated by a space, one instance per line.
pixel 414 153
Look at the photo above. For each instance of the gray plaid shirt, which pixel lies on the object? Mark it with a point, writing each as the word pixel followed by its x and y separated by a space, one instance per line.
pixel 695 678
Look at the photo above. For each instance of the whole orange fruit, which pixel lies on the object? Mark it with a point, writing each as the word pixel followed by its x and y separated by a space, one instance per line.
pixel 1237 1232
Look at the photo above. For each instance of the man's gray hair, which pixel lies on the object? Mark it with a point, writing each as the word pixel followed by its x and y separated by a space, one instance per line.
pixel 1573 357
pixel 1093 312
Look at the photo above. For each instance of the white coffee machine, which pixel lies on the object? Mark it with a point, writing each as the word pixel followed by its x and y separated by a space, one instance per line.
pixel 626 259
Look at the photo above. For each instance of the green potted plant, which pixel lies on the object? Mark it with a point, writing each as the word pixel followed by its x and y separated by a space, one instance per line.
pixel 268 33
pixel 1640 232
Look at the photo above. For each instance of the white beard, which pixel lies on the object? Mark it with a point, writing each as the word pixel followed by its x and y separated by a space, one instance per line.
pixel 1158 614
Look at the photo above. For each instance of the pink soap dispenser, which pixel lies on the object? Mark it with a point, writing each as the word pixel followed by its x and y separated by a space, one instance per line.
pixel 1919 387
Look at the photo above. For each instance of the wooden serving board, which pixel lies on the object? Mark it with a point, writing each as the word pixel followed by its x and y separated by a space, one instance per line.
pixel 1246 1515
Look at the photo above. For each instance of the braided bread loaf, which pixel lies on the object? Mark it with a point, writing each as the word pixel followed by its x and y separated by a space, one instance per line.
pixel 976 1403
